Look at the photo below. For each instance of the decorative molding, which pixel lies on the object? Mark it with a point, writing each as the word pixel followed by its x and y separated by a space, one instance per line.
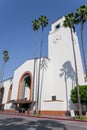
pixel 54 101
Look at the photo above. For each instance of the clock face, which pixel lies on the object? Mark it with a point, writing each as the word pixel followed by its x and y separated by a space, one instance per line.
pixel 56 39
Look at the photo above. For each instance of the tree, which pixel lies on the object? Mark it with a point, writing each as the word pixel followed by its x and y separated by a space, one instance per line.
pixel 5 59
pixel 83 95
pixel 35 26
pixel 43 23
pixel 81 17
pixel 69 22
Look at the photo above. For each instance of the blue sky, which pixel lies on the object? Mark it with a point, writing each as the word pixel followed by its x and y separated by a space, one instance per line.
pixel 16 34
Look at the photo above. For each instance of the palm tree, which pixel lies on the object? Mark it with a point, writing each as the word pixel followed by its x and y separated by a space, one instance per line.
pixel 35 26
pixel 69 22
pixel 81 17
pixel 43 23
pixel 5 59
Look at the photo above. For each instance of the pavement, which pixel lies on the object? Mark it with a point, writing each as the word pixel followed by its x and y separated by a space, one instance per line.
pixel 24 122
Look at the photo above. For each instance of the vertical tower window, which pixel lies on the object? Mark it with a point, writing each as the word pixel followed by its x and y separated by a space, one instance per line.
pixel 57 26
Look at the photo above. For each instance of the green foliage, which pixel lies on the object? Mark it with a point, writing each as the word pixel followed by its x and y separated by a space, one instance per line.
pixel 38 114
pixel 74 95
pixel 43 21
pixel 83 94
pixel 81 14
pixel 84 118
pixel 35 25
pixel 77 117
pixel 69 20
pixel 5 56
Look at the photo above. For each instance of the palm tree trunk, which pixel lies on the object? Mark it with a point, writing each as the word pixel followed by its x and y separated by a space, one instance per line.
pixel 2 71
pixel 34 73
pixel 38 111
pixel 78 93
pixel 33 83
pixel 83 50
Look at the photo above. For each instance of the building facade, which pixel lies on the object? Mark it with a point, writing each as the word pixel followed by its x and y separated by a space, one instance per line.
pixel 56 79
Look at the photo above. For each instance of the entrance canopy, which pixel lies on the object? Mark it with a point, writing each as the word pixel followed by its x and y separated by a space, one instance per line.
pixel 21 101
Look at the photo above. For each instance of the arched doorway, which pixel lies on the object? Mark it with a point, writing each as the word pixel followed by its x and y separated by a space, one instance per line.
pixel 25 87
pixel 24 98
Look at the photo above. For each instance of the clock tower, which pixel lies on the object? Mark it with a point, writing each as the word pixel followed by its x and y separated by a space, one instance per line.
pixel 62 66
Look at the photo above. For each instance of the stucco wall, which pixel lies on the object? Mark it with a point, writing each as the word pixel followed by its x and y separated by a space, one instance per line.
pixel 62 68
pixel 26 67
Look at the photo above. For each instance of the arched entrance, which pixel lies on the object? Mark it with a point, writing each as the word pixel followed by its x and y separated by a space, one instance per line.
pixel 24 97
pixel 25 87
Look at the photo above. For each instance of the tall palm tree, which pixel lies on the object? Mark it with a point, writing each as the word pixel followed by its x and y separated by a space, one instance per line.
pixel 81 17
pixel 35 27
pixel 5 59
pixel 43 23
pixel 69 22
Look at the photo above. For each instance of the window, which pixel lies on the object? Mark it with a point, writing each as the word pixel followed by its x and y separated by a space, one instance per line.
pixel 57 26
pixel 53 98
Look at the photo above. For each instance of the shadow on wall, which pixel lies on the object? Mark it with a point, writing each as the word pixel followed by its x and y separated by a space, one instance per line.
pixel 73 106
pixel 67 72
pixel 43 67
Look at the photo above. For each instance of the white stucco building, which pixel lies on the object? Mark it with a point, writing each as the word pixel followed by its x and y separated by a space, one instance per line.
pixel 57 76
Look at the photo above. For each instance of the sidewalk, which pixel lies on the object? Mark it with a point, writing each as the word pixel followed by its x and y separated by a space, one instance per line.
pixel 64 117
pixel 56 117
